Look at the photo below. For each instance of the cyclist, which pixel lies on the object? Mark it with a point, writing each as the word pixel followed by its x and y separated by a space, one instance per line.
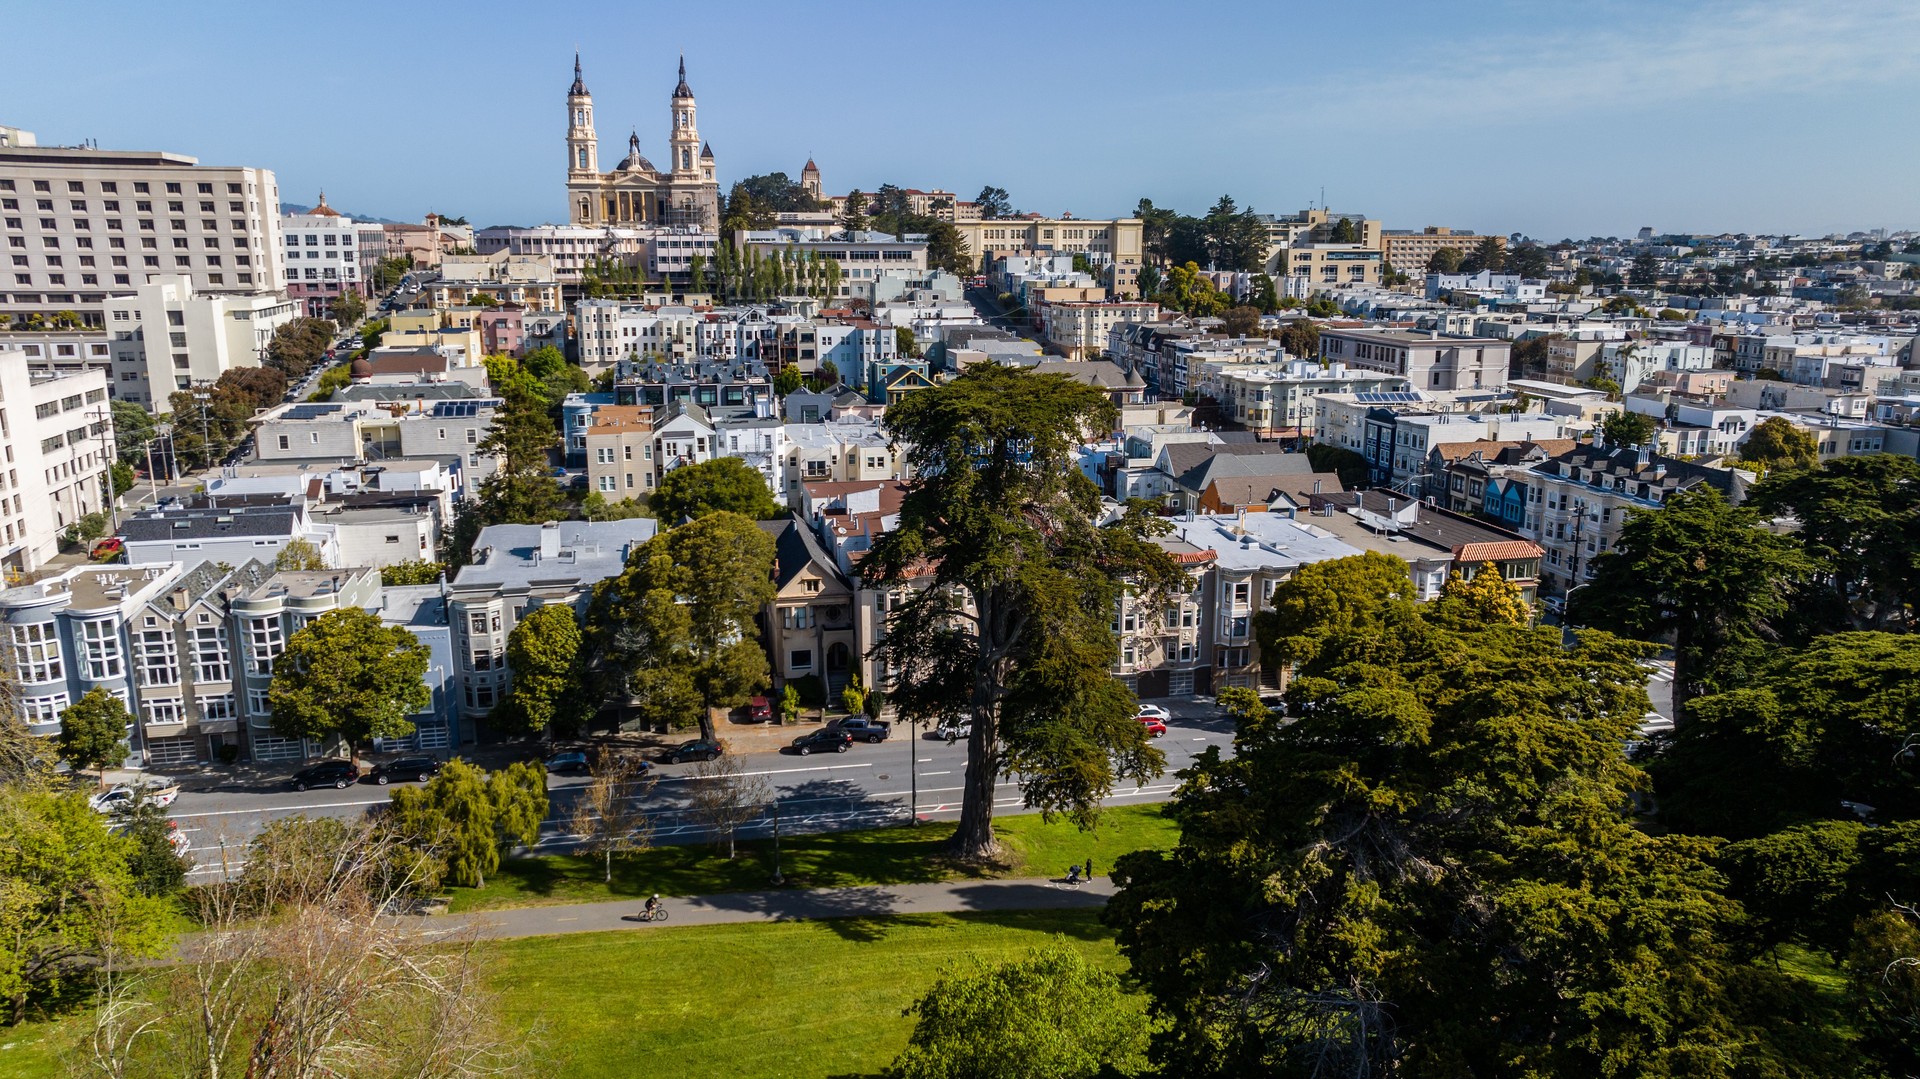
pixel 653 905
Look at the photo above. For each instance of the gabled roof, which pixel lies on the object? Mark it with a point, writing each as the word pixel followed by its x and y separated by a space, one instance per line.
pixel 1268 466
pixel 795 548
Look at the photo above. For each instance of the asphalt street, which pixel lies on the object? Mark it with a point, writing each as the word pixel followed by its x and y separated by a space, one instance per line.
pixel 868 786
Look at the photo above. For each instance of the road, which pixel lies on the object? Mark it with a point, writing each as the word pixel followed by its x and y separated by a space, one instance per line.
pixel 866 787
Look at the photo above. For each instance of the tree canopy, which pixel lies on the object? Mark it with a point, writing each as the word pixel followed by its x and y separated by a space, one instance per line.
pixel 1011 587
pixel 676 632
pixel 1705 574
pixel 1777 442
pixel 548 693
pixel 723 483
pixel 1426 867
pixel 350 676
pixel 93 732
pixel 1627 429
pixel 1860 517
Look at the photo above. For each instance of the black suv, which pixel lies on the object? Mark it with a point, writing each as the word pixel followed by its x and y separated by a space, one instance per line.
pixel 327 773
pixel 403 769
pixel 823 741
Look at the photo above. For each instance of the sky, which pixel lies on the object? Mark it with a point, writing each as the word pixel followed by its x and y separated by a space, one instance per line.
pixel 1545 118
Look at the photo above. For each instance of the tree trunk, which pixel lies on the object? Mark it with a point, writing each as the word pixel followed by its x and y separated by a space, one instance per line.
pixel 609 865
pixel 973 839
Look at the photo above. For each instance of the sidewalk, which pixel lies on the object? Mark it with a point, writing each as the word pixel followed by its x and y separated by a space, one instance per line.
pixel 1035 893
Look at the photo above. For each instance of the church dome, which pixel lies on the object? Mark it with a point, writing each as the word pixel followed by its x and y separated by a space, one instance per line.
pixel 633 160
pixel 360 368
pixel 323 210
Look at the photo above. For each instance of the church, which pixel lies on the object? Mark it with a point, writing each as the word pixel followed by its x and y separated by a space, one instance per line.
pixel 685 193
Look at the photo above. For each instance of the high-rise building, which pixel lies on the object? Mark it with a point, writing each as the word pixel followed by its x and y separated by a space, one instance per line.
pixel 329 255
pixel 78 224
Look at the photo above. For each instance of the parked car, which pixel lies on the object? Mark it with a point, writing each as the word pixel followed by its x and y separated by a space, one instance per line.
pixel 700 749
pixel 108 547
pixel 335 773
pixel 759 710
pixel 404 769
pixel 824 740
pixel 1153 710
pixel 862 729
pixel 954 729
pixel 1154 724
pixel 568 762
pixel 159 791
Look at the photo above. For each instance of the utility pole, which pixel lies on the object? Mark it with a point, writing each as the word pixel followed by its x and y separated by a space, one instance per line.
pixel 778 879
pixel 206 442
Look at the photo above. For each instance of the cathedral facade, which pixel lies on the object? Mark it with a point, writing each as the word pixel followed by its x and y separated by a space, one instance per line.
pixel 635 193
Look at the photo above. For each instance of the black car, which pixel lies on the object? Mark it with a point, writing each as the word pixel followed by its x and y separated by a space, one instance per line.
pixel 328 773
pixel 823 741
pixel 404 769
pixel 700 749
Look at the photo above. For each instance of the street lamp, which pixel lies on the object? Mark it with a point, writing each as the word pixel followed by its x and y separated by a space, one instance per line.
pixel 778 878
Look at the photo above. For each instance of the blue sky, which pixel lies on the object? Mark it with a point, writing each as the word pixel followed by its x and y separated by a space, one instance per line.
pixel 1553 119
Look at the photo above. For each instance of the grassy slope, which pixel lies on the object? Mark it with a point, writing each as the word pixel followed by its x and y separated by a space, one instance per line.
pixel 903 855
pixel 742 1001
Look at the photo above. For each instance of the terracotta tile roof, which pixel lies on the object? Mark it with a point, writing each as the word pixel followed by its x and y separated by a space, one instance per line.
pixel 1500 551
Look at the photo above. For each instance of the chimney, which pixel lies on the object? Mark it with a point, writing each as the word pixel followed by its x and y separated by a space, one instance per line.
pixel 179 599
pixel 549 540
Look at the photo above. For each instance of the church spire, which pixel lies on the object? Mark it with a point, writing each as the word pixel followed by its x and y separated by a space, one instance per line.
pixel 683 90
pixel 579 88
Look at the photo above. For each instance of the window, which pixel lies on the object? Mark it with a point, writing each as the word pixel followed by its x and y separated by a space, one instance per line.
pixel 609 483
pixel 161 711
pixel 42 710
pixel 264 641
pixel 217 706
pixel 800 659
pixel 210 655
pixel 159 662
pixel 795 617
pixel 99 644
pixel 36 652
pixel 257 703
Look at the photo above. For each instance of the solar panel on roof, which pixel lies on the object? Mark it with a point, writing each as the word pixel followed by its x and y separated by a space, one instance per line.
pixel 310 412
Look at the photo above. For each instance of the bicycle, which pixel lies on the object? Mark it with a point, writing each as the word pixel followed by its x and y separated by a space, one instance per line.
pixel 657 914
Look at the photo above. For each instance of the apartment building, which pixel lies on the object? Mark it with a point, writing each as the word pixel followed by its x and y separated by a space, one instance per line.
pixel 1312 226
pixel 363 432
pixel 166 337
pixel 1631 363
pixel 1277 400
pixel 1080 330
pixel 519 567
pixel 1315 267
pixel 528 281
pixel 191 650
pixel 1430 361
pixel 811 629
pixel 329 256
pixel 57 436
pixel 1578 501
pixel 1115 243
pixel 618 443
pixel 81 224
pixel 60 350
pixel 573 249
pixel 1409 251
pixel 864 258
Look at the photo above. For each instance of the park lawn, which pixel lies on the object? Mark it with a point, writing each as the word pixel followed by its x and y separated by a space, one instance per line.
pixel 900 855
pixel 786 999
pixel 41 1050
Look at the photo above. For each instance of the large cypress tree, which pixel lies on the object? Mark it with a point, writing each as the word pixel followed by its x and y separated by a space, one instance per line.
pixel 1011 584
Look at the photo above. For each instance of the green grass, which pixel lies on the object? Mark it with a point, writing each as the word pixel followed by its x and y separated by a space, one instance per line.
pixel 743 1001
pixel 32 1050
pixel 902 855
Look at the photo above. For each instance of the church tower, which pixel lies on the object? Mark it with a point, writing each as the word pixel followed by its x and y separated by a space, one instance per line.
pixel 810 179
pixel 686 131
pixel 583 150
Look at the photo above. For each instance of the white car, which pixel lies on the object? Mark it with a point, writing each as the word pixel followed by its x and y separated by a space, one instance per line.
pixel 160 792
pixel 1153 710
pixel 951 729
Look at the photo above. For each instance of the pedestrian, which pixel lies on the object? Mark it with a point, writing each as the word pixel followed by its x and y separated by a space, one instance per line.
pixel 1089 868
pixel 953 734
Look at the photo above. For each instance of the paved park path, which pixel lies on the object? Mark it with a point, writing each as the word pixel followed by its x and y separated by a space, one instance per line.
pixel 780 906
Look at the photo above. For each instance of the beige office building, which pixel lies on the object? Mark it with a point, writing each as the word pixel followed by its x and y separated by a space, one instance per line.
pixel 1117 242
pixel 80 224
pixel 1408 252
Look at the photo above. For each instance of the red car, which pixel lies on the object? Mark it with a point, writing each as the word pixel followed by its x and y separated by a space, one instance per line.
pixel 1154 724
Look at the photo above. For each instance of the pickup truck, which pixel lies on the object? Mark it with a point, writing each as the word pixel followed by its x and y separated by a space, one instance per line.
pixel 865 730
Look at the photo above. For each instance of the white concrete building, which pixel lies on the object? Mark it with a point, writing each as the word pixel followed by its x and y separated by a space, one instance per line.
pixel 57 436
pixel 80 224
pixel 328 256
pixel 166 336
pixel 1629 363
